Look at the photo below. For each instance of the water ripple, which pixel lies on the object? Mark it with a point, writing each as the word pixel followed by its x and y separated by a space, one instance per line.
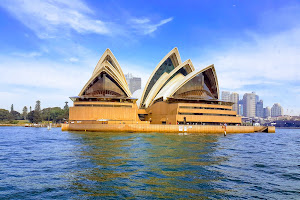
pixel 39 164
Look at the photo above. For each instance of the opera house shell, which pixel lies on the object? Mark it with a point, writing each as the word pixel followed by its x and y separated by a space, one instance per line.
pixel 174 94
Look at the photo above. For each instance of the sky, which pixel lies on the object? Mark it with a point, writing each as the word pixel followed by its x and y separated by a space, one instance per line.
pixel 49 48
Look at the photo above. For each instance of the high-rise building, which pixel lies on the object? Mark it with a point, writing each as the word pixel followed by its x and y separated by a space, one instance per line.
pixel 241 109
pixel 234 97
pixel 260 108
pixel 276 110
pixel 225 96
pixel 249 106
pixel 134 83
pixel 267 112
pixel 256 99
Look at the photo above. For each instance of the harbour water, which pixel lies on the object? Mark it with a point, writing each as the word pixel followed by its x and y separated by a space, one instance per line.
pixel 36 163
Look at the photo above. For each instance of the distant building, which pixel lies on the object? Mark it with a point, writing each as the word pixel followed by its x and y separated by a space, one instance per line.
pixel 241 112
pixel 249 106
pixel 276 110
pixel 134 83
pixel 256 99
pixel 267 112
pixel 260 109
pixel 234 97
pixel 226 96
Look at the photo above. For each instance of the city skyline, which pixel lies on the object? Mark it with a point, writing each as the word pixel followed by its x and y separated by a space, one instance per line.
pixel 47 55
pixel 251 105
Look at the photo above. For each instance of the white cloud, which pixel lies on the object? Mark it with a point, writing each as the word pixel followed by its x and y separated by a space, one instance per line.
pixel 41 74
pixel 48 18
pixel 73 59
pixel 145 27
pixel 53 18
pixel 266 64
pixel 264 60
pixel 28 54
pixel 23 81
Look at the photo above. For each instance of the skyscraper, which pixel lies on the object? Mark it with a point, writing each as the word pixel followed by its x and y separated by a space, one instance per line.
pixel 134 83
pixel 241 109
pixel 260 108
pixel 276 110
pixel 249 105
pixel 256 98
pixel 267 112
pixel 234 97
pixel 225 96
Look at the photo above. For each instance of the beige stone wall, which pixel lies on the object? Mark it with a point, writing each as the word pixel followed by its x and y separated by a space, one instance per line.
pixel 163 128
pixel 163 111
pixel 109 113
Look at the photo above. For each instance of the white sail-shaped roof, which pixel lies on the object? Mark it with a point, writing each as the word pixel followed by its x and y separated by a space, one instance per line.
pixel 165 66
pixel 181 71
pixel 107 79
pixel 201 84
pixel 108 56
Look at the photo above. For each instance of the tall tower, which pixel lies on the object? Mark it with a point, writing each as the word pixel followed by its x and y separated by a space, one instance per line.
pixel 260 108
pixel 276 110
pixel 134 83
pixel 267 112
pixel 234 97
pixel 249 105
pixel 225 96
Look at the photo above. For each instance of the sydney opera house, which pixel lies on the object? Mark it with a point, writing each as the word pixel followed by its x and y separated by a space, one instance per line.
pixel 175 94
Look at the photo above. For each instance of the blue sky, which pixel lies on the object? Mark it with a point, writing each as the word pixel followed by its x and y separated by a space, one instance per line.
pixel 49 48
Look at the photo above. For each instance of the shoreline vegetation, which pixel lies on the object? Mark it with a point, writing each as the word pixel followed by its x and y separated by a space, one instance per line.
pixel 35 118
pixel 32 125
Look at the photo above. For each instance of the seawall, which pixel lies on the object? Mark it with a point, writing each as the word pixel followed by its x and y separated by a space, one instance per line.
pixel 165 128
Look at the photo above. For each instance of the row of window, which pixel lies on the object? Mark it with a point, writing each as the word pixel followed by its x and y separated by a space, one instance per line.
pixel 191 107
pixel 102 105
pixel 207 114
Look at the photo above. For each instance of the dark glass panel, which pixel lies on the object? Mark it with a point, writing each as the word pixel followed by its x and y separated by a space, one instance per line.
pixel 209 80
pixel 167 66
pixel 196 88
pixel 104 86
pixel 181 71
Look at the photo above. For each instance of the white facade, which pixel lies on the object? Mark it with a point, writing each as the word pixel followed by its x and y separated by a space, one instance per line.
pixel 249 104
pixel 276 110
pixel 267 112
pixel 225 96
pixel 234 97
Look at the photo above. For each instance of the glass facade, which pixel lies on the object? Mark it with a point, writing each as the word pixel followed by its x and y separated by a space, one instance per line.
pixel 181 71
pixel 167 67
pixel 202 86
pixel 104 86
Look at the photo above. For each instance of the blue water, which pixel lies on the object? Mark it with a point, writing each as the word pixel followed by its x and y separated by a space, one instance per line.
pixel 39 164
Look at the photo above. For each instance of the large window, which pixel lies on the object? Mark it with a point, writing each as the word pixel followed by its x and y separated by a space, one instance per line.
pixel 202 86
pixel 167 67
pixel 104 86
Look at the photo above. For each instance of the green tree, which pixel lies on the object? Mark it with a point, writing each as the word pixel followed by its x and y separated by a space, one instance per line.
pixel 25 112
pixel 46 114
pixel 37 117
pixel 66 111
pixel 15 115
pixel 30 116
pixel 57 114
pixel 5 115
